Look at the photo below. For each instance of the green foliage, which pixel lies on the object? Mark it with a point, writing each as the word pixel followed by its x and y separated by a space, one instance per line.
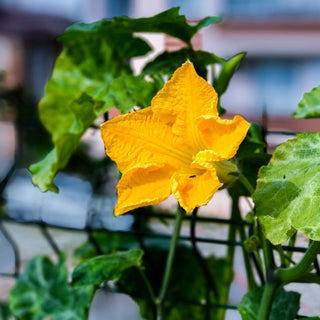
pixel 5 313
pixel 111 242
pixel 228 67
pixel 88 79
pixel 43 292
pixel 285 305
pixel 167 62
pixel 309 106
pixel 93 74
pixel 187 273
pixel 169 22
pixel 250 157
pixel 188 283
pixel 106 267
pixel 287 194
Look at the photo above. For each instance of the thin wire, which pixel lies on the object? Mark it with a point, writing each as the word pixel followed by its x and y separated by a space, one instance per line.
pixel 15 249
pixel 209 282
pixel 94 242
pixel 49 238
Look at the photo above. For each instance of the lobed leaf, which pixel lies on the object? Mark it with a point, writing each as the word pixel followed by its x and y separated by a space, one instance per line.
pixel 309 106
pixel 287 196
pixel 106 267
pixel 169 22
pixel 43 292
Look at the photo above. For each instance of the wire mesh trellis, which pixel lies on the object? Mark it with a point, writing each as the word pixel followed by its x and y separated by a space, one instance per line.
pixel 142 235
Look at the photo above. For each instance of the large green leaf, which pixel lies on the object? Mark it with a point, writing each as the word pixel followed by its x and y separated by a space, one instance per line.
pixel 43 292
pixel 285 305
pixel 87 80
pixel 169 22
pixel 309 106
pixel 287 197
pixel 106 267
pixel 93 74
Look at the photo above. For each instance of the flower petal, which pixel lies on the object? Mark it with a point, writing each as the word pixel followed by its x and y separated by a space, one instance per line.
pixel 209 160
pixel 186 96
pixel 222 136
pixel 143 186
pixel 195 191
pixel 204 159
pixel 139 138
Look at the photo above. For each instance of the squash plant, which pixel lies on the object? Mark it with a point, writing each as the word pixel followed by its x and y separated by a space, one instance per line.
pixel 175 143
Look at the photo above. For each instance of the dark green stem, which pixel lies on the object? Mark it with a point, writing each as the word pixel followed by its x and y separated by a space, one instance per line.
pixel 302 267
pixel 246 184
pixel 237 216
pixel 267 255
pixel 281 276
pixel 267 299
pixel 292 242
pixel 271 283
pixel 168 268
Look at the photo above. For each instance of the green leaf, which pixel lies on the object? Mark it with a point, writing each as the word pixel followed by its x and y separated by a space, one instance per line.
pixel 285 305
pixel 79 91
pixel 228 68
pixel 167 62
pixel 106 267
pixel 111 242
pixel 186 273
pixel 168 22
pixel 43 292
pixel 309 106
pixel 108 242
pixel 287 194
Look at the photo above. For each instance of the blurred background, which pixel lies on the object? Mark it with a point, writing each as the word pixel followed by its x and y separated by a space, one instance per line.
pixel 281 38
pixel 282 41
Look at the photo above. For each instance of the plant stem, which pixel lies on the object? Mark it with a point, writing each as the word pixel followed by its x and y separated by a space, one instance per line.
pixel 236 215
pixel 267 299
pixel 147 283
pixel 168 268
pixel 282 275
pixel 292 242
pixel 271 282
pixel 302 267
pixel 267 255
pixel 246 183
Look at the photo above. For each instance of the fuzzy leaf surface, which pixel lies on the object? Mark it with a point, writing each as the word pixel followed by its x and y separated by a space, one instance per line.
pixel 287 196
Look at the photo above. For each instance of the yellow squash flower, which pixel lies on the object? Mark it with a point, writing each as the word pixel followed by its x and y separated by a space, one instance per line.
pixel 176 145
